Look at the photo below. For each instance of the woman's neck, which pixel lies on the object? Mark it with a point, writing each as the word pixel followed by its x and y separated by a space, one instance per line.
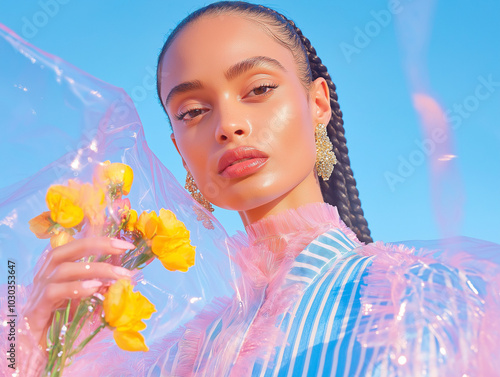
pixel 308 191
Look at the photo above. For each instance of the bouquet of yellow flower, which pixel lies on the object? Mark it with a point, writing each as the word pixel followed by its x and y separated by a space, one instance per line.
pixel 100 209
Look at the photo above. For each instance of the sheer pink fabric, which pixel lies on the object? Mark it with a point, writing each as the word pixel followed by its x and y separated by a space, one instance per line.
pixel 455 297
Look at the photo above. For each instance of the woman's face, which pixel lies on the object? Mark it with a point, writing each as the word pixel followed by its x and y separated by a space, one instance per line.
pixel 232 94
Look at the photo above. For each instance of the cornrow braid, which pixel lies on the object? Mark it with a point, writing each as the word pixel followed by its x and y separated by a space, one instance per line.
pixel 340 190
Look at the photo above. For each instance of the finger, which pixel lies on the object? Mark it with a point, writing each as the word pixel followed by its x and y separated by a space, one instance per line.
pixel 80 248
pixel 55 293
pixel 71 271
pixel 84 247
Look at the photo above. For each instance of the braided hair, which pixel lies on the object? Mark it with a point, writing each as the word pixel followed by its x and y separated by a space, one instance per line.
pixel 340 190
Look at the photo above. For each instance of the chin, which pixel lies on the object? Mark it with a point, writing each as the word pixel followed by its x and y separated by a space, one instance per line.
pixel 241 204
pixel 248 200
pixel 255 191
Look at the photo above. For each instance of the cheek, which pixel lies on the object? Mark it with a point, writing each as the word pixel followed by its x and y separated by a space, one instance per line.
pixel 197 151
pixel 291 133
pixel 192 149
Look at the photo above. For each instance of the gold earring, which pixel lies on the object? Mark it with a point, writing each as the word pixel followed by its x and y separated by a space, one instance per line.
pixel 193 190
pixel 325 158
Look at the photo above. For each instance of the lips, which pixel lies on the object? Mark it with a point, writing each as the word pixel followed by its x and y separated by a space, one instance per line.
pixel 237 155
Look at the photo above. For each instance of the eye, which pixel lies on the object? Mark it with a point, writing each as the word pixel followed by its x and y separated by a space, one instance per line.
pixel 262 90
pixel 193 113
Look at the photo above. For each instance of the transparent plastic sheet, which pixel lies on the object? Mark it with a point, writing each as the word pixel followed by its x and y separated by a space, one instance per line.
pixel 71 121
pixel 65 122
pixel 432 307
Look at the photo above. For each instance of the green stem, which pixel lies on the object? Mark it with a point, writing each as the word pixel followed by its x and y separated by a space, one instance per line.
pixel 88 339
pixel 72 333
pixel 60 319
pixel 143 257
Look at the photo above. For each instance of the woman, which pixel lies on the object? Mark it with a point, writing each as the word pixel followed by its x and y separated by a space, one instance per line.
pixel 316 296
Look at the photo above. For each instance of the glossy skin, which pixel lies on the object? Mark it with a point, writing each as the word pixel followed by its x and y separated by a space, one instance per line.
pixel 266 107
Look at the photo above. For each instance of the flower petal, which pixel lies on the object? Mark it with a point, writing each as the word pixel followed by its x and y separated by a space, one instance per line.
pixel 62 238
pixel 179 259
pixel 40 225
pixel 114 302
pixel 147 224
pixel 124 310
pixel 130 340
pixel 63 204
pixel 115 174
pixel 171 227
pixel 132 220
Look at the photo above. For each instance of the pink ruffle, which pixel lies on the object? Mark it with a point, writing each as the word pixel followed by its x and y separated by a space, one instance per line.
pixel 461 313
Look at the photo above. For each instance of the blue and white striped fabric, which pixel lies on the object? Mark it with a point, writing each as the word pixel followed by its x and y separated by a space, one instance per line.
pixel 319 338
pixel 319 330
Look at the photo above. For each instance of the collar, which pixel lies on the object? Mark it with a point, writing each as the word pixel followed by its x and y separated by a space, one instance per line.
pixel 302 220
pixel 273 243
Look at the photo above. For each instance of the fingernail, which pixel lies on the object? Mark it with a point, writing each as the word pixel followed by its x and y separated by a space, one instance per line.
pixel 87 284
pixel 121 244
pixel 122 271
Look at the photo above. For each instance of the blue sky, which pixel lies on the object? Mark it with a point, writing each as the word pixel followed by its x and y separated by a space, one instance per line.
pixel 379 54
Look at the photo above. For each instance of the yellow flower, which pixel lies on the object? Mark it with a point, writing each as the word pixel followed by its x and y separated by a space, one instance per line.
pixel 41 224
pixel 168 238
pixel 171 244
pixel 61 238
pixel 132 220
pixel 91 200
pixel 115 174
pixel 170 227
pixel 178 258
pixel 147 224
pixel 124 310
pixel 63 203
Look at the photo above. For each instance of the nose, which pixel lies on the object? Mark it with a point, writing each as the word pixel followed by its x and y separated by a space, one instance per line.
pixel 231 125
pixel 229 132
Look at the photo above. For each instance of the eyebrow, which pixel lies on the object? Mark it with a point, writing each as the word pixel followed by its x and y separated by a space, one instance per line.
pixel 231 73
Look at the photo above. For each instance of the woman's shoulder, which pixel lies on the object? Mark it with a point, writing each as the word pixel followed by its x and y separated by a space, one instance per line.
pixel 459 252
pixel 418 306
pixel 432 305
pixel 410 308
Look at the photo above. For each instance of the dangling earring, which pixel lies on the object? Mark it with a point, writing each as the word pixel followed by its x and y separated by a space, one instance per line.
pixel 193 190
pixel 325 158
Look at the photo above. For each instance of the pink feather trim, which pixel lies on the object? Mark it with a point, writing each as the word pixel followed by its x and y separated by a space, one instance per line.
pixel 408 293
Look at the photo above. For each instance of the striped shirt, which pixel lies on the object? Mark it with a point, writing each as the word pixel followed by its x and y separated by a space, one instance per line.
pixel 319 338
pixel 318 331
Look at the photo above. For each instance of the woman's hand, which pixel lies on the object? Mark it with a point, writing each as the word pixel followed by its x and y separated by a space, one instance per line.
pixel 62 278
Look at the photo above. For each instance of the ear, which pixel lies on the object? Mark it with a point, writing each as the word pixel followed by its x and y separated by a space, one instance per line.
pixel 319 94
pixel 172 137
